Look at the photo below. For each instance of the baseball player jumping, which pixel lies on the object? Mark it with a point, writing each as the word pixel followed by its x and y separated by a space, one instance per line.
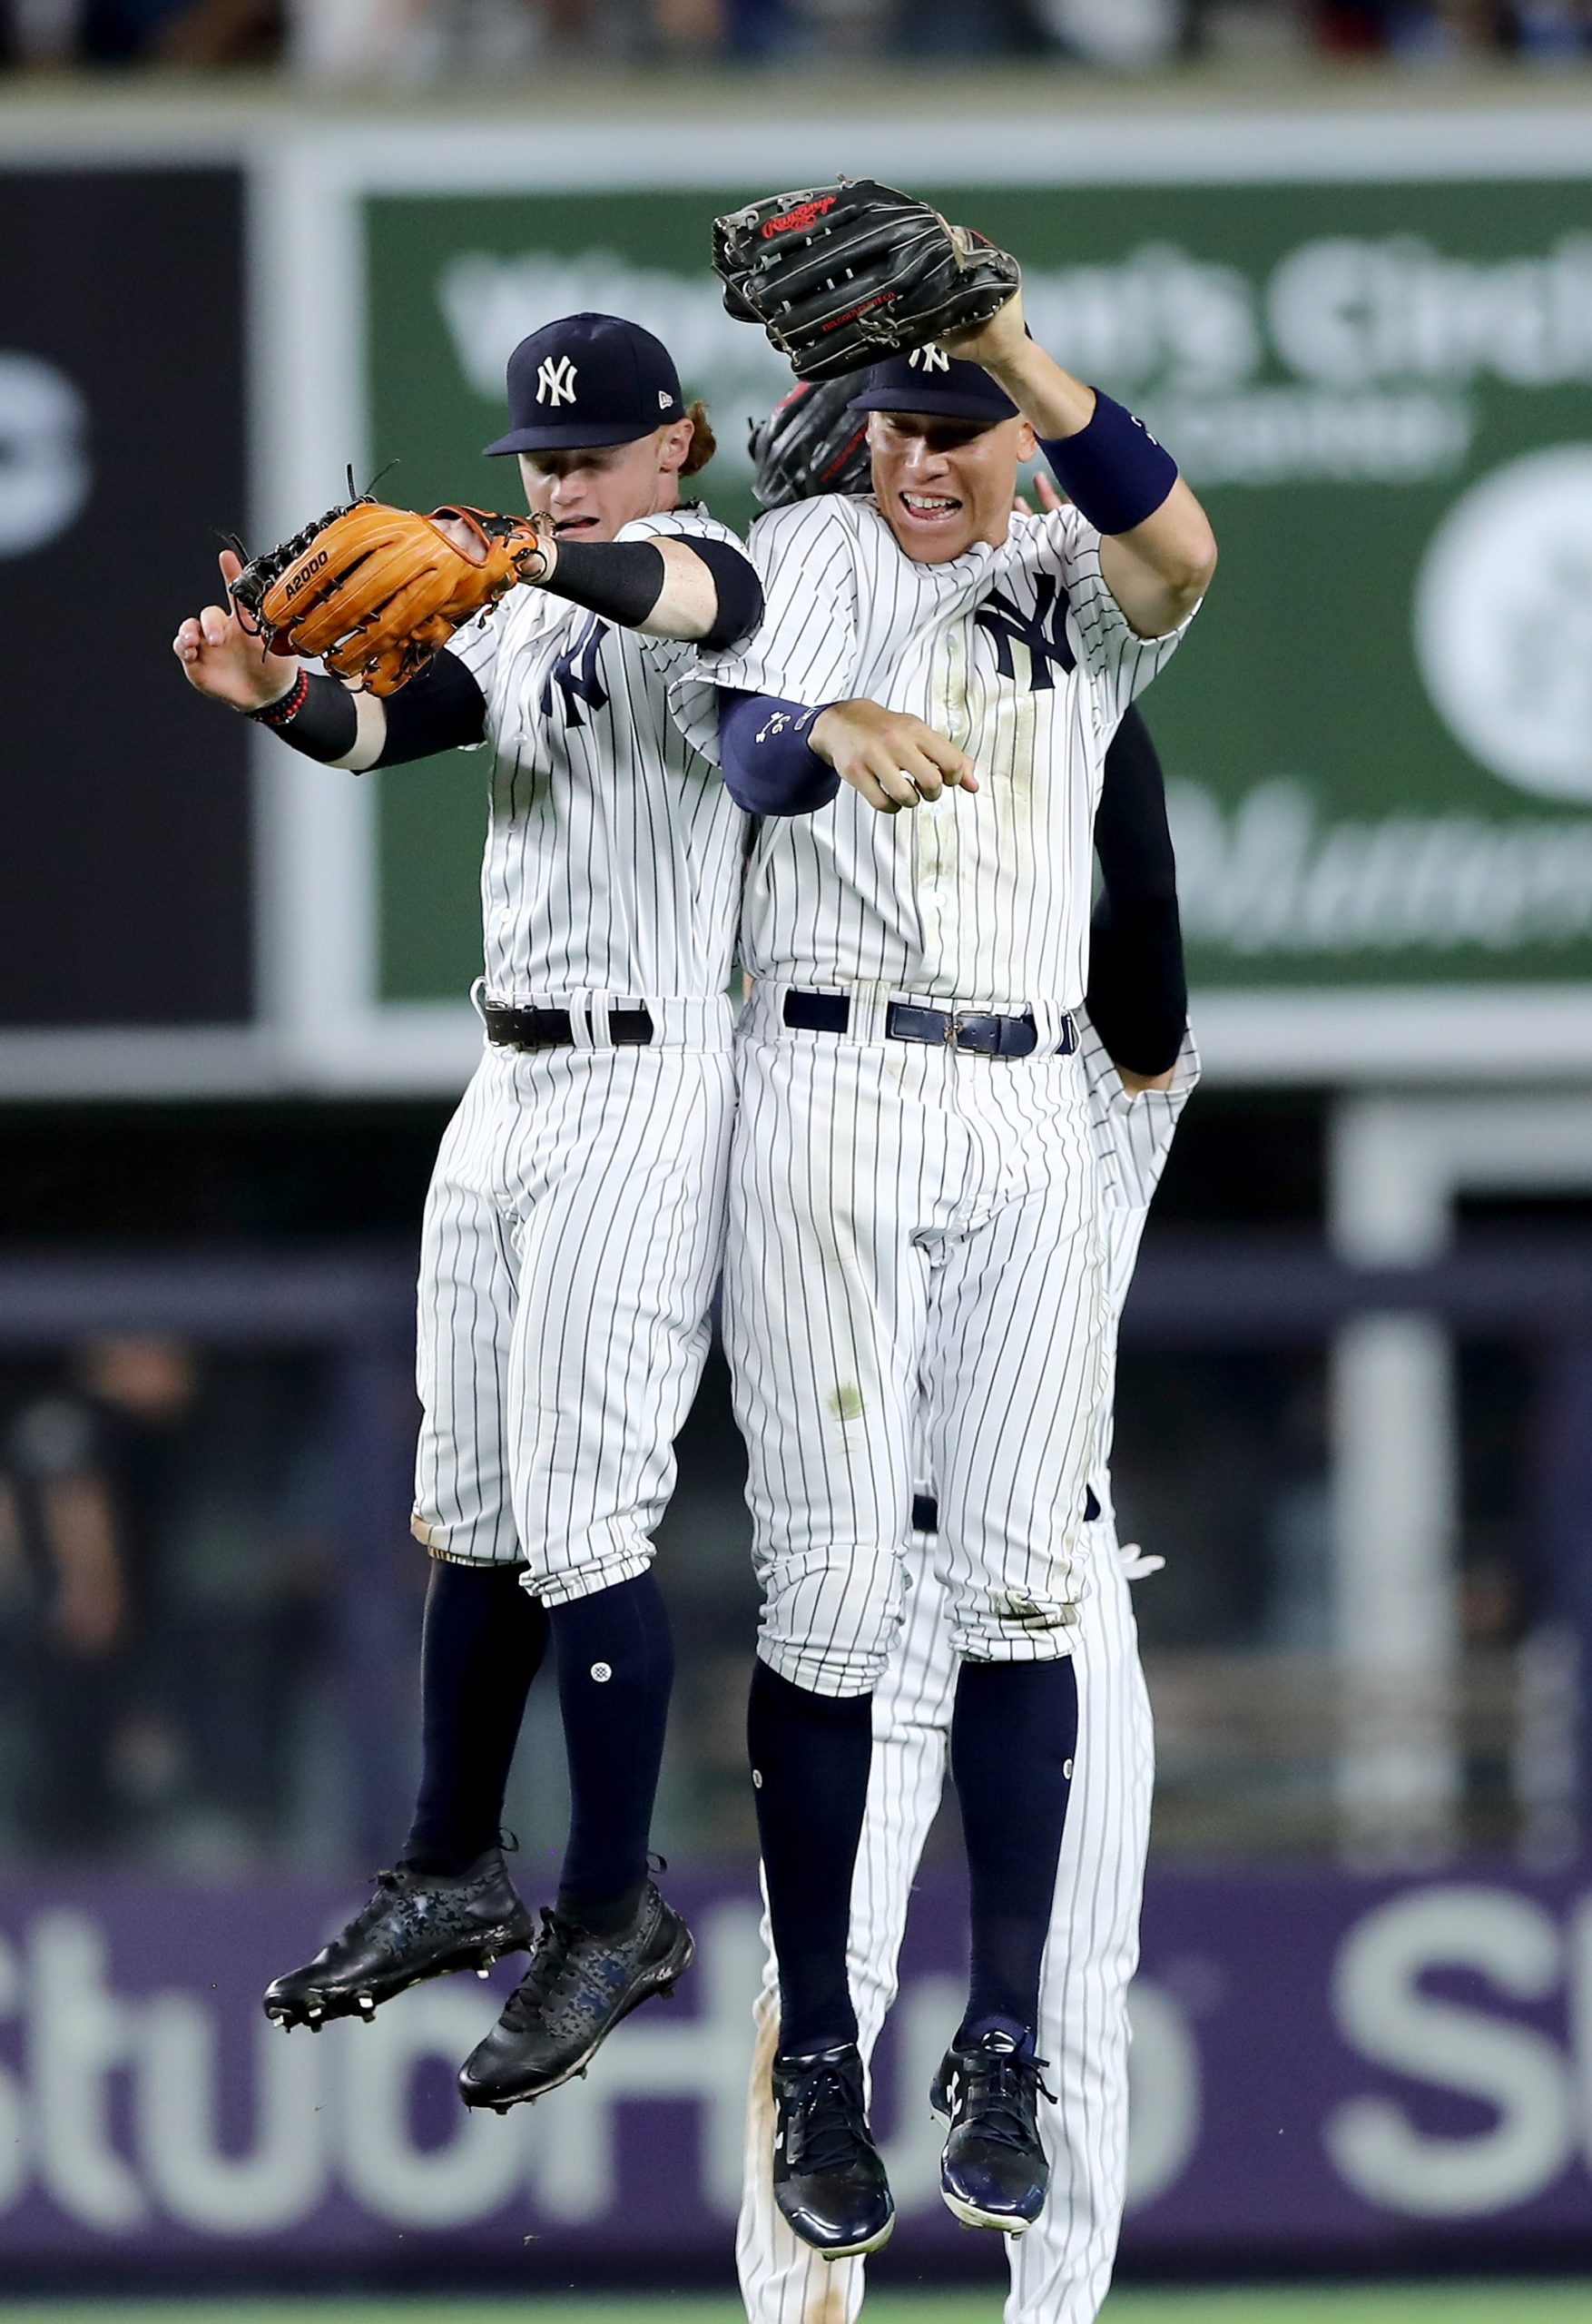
pixel 572 1228
pixel 914 1207
pixel 1139 1066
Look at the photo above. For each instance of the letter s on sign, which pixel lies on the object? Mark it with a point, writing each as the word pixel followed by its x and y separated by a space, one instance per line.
pixel 1510 2067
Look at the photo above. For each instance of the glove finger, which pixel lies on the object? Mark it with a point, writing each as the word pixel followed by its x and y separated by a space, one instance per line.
pixel 363 582
pixel 839 269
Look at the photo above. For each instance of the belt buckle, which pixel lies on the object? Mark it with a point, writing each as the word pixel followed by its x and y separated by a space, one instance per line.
pixel 953 1026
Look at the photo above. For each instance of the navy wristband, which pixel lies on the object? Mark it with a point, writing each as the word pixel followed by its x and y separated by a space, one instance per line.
pixel 1112 471
pixel 770 767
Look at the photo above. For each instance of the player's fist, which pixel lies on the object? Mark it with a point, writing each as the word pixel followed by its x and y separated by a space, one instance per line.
pixel 996 341
pixel 220 658
pixel 893 759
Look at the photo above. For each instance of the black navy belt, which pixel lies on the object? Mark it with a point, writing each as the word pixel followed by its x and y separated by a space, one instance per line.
pixel 985 1035
pixel 553 1028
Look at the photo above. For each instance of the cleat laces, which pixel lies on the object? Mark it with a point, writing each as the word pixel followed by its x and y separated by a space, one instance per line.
pixel 823 2132
pixel 1009 2088
pixel 549 1970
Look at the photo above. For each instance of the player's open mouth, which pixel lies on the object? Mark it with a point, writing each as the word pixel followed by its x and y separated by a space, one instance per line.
pixel 572 525
pixel 930 507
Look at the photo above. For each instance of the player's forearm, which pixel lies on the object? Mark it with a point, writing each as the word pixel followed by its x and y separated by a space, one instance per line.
pixel 441 709
pixel 1138 987
pixel 319 717
pixel 765 750
pixel 1158 552
pixel 711 594
pixel 371 734
pixel 1159 571
pixel 1055 404
pixel 702 593
pixel 1138 995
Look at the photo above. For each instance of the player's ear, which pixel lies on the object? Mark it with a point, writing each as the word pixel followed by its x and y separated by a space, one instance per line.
pixel 1027 442
pixel 673 444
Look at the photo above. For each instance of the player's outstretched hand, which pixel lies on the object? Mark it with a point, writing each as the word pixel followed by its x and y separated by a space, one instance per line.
pixel 221 659
pixel 893 759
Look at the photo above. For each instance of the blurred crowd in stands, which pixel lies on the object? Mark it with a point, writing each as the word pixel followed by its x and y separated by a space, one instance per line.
pixel 416 40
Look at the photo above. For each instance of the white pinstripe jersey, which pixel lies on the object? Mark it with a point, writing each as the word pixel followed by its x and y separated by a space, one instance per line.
pixel 614 854
pixel 1021 655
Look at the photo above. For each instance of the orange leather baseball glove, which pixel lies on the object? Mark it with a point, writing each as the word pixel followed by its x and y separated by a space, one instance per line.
pixel 374 591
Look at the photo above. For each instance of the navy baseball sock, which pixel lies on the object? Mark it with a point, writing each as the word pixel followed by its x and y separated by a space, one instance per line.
pixel 811 1756
pixel 481 1645
pixel 1014 1731
pixel 615 1667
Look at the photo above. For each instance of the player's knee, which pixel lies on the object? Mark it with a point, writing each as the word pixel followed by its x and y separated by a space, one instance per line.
pixel 1013 1625
pixel 566 1570
pixel 831 1620
pixel 482 1536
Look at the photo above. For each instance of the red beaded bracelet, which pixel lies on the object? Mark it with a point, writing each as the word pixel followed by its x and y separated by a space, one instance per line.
pixel 284 711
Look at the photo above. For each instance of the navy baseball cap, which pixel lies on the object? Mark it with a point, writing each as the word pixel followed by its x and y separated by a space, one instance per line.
pixel 586 380
pixel 931 381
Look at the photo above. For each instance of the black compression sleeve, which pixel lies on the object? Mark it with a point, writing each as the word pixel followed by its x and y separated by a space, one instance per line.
pixel 316 716
pixel 1138 988
pixel 442 708
pixel 623 581
pixel 739 593
pixel 620 580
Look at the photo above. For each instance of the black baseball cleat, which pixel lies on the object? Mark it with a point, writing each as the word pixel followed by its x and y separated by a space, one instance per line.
pixel 580 1983
pixel 829 2179
pixel 418 1924
pixel 993 2172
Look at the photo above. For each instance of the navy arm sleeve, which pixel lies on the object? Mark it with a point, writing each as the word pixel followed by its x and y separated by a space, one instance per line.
pixel 1138 987
pixel 770 767
pixel 442 708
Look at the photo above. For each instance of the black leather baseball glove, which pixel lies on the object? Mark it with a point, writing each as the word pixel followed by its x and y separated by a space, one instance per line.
pixel 846 275
pixel 810 443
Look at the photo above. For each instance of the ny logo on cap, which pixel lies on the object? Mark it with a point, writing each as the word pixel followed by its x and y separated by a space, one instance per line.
pixel 555 380
pixel 930 359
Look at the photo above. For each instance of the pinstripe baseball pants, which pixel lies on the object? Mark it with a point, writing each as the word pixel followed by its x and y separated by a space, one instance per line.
pixel 913 1232
pixel 572 1237
pixel 1061 2268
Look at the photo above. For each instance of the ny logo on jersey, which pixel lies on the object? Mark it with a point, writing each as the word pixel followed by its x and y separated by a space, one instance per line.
pixel 555 380
pixel 576 675
pixel 1043 631
pixel 930 359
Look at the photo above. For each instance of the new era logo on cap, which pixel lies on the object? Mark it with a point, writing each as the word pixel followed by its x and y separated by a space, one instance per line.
pixel 555 380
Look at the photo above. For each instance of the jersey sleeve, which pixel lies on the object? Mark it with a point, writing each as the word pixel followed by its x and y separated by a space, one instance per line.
pixel 806 649
pixel 1120 662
